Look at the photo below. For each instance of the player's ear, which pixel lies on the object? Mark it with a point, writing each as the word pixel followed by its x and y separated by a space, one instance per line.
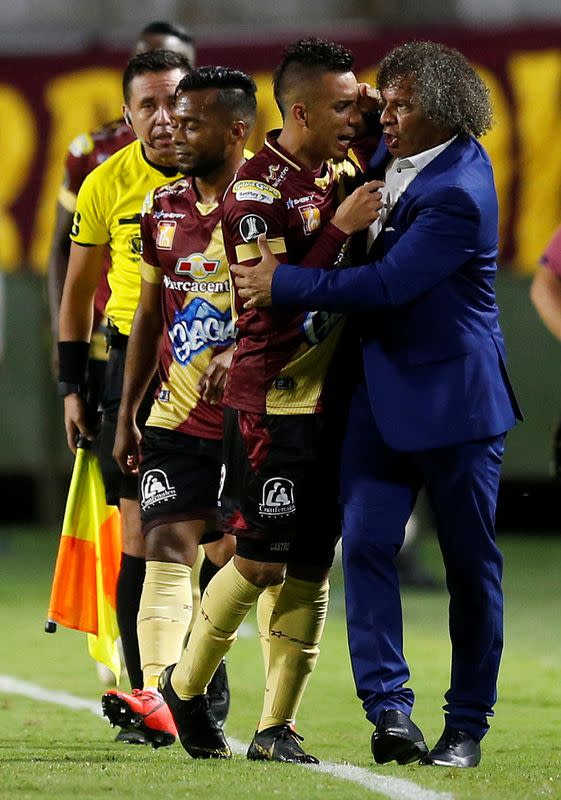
pixel 126 115
pixel 300 114
pixel 238 130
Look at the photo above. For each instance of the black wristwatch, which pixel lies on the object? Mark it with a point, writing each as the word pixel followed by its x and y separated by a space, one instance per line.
pixel 65 388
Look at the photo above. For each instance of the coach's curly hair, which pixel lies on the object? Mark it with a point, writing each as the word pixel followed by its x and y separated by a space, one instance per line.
pixel 448 89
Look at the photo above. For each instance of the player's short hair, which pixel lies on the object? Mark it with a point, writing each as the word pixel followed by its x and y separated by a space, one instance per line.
pixel 152 61
pixel 159 28
pixel 236 89
pixel 447 87
pixel 303 63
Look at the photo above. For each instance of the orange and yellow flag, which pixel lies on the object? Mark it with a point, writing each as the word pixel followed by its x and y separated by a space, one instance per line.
pixel 83 594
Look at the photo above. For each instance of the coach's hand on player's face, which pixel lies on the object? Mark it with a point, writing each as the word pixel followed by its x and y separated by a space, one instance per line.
pixel 213 380
pixel 75 420
pixel 126 450
pixel 254 283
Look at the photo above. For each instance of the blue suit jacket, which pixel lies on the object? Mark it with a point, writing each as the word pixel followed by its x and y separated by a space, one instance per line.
pixel 434 356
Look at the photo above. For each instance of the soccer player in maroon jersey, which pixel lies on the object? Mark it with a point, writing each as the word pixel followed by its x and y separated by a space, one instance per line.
pixel 184 326
pixel 280 473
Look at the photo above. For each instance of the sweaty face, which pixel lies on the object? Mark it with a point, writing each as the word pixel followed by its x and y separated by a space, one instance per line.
pixel 332 116
pixel 200 133
pixel 407 129
pixel 151 105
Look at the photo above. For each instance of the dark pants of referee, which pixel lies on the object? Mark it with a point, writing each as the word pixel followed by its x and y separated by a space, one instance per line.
pixel 379 488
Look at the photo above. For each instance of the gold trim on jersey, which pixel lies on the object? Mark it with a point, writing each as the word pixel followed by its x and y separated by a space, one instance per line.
pixel 149 273
pixel 307 369
pixel 281 155
pixel 205 209
pixel 246 252
pixel 67 199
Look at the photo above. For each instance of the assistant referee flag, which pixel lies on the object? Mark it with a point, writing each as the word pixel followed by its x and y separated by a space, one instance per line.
pixel 83 594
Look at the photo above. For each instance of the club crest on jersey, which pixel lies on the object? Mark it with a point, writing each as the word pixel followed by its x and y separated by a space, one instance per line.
pixel 166 232
pixel 196 266
pixel 310 217
pixel 272 174
pixel 155 488
pixel 198 326
pixel 256 191
pixel 277 499
pixel 251 226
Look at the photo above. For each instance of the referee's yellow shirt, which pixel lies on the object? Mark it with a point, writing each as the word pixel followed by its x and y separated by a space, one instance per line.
pixel 108 210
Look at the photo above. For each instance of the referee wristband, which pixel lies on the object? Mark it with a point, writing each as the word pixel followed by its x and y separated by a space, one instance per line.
pixel 73 362
pixel 65 388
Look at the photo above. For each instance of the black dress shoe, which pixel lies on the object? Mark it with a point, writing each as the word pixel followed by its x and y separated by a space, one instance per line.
pixel 454 749
pixel 397 738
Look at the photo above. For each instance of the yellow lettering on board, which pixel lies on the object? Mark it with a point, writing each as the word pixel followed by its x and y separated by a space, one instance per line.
pixel 268 115
pixel 18 141
pixel 498 143
pixel 77 102
pixel 535 79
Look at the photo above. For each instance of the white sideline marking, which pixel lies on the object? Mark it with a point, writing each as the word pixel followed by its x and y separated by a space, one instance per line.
pixel 393 788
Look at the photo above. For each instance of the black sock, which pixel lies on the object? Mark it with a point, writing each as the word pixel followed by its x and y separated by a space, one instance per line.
pixel 206 574
pixel 129 589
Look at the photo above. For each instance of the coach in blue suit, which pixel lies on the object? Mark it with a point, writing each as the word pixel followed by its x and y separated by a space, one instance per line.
pixel 435 402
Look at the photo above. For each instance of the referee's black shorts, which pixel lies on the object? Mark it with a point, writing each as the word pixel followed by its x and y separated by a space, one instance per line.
pixel 279 490
pixel 116 484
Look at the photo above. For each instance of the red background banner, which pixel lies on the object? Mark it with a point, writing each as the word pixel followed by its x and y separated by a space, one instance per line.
pixel 46 100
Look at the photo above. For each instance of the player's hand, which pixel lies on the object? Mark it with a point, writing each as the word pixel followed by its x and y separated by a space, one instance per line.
pixel 360 208
pixel 75 420
pixel 254 283
pixel 126 450
pixel 369 99
pixel 213 380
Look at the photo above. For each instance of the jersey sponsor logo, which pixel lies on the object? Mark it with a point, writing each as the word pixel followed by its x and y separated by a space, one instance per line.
pixel 310 217
pixel 277 498
pixel 318 324
pixel 196 266
pixel 168 215
pixel 213 287
pixel 255 191
pixel 292 202
pixel 197 327
pixel 165 235
pixel 155 488
pixel 251 226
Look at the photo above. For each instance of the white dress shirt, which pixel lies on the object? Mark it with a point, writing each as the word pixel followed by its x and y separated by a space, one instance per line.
pixel 399 174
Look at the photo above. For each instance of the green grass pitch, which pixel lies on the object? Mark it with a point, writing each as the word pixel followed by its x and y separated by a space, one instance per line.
pixel 48 750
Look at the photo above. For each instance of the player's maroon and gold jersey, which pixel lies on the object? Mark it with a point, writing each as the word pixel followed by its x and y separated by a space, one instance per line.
pixel 183 252
pixel 85 153
pixel 282 356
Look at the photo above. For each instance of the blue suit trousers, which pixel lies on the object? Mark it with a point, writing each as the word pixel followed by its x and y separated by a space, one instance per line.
pixel 379 486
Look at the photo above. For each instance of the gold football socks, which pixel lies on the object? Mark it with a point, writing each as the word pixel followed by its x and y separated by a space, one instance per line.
pixel 163 617
pixel 296 627
pixel 224 605
pixel 265 606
